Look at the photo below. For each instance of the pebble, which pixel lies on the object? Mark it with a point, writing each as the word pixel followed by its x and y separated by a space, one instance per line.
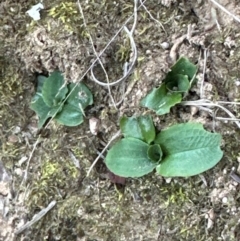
pixel 224 200
pixel 94 124
pixel 165 45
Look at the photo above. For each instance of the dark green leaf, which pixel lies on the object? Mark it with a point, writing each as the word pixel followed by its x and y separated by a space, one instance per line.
pixel 40 79
pixel 138 127
pixel 178 83
pixel 43 111
pixel 80 95
pixel 70 115
pixel 188 150
pixel 54 89
pixel 155 153
pixel 72 112
pixel 184 67
pixel 129 158
pixel 161 100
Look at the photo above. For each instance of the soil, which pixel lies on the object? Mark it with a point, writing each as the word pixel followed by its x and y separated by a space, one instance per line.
pixel 38 167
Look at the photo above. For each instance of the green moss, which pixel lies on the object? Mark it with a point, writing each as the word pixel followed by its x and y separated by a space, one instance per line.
pixel 123 53
pixel 56 176
pixel 11 84
pixel 11 89
pixel 68 14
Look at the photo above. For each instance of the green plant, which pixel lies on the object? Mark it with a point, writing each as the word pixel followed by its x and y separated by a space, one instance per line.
pixel 177 82
pixel 64 102
pixel 180 150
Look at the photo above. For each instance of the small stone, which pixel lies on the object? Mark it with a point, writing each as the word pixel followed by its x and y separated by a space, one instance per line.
pixel 224 200
pixel 148 52
pixel 18 172
pixel 193 110
pixel 12 139
pixel 4 188
pixel 168 180
pixel 94 124
pixel 16 130
pixel 165 45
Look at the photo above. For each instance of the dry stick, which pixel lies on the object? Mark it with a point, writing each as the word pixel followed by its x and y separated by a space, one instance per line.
pixel 128 90
pixel 96 54
pixel 36 217
pixel 229 102
pixel 204 71
pixel 235 177
pixel 225 10
pixel 173 51
pixel 227 119
pixel 28 163
pixel 154 19
pixel 211 104
pixel 127 71
pixel 104 149
pixel 179 41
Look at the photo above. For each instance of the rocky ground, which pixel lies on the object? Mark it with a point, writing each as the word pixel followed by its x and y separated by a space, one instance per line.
pixel 49 166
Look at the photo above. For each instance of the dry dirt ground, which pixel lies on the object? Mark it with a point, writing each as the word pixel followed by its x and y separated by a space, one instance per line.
pixel 38 168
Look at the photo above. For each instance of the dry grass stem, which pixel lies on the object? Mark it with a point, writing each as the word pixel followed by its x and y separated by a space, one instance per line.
pixel 225 10
pixel 203 74
pixel 28 163
pixel 96 54
pixel 116 135
pixel 129 67
pixel 36 217
pixel 204 103
pixel 151 16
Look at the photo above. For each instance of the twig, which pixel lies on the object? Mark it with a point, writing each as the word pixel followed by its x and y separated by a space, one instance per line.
pixel 28 163
pixel 209 103
pixel 225 10
pixel 235 177
pixel 36 217
pixel 96 54
pixel 179 41
pixel 173 51
pixel 104 149
pixel 203 74
pixel 229 102
pixel 129 89
pixel 154 19
pixel 132 62
pixel 227 119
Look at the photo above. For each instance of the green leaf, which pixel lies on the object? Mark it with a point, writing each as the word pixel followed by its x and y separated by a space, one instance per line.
pixel 155 153
pixel 188 150
pixel 50 100
pixel 129 158
pixel 54 89
pixel 40 79
pixel 161 100
pixel 43 111
pixel 169 94
pixel 184 67
pixel 178 83
pixel 138 127
pixel 80 94
pixel 70 116
pixel 72 112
